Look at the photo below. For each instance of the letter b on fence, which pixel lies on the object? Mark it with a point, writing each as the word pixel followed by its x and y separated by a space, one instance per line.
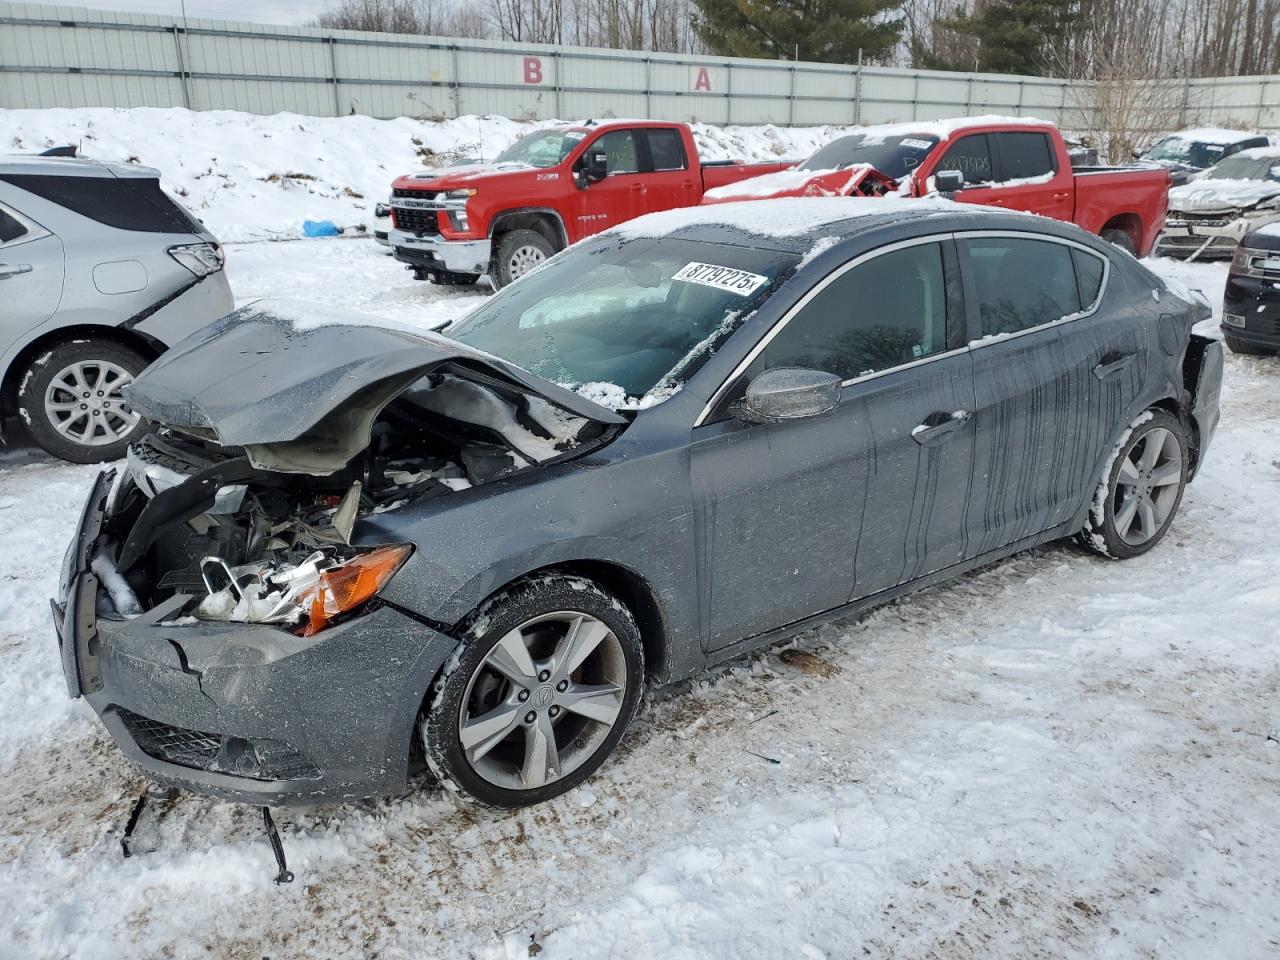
pixel 532 69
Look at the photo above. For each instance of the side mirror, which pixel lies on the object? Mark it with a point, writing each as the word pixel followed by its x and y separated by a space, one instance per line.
pixel 1274 172
pixel 595 166
pixel 948 181
pixel 1136 153
pixel 788 393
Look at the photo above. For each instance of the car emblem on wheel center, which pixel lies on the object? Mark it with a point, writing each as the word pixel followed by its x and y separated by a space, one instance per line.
pixel 543 695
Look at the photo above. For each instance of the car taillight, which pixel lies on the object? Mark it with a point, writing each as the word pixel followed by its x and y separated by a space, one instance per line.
pixel 201 259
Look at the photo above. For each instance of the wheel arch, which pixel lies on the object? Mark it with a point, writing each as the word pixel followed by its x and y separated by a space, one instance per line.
pixel 545 221
pixel 149 347
pixel 1130 224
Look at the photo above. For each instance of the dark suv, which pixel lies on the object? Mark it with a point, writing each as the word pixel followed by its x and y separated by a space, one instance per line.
pixel 1251 305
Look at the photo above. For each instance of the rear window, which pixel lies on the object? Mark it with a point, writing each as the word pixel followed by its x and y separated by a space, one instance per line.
pixel 1022 283
pixel 1024 155
pixel 1088 276
pixel 127 204
pixel 667 150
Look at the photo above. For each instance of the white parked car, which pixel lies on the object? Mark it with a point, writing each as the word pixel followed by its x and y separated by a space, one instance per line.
pixel 101 271
pixel 1208 216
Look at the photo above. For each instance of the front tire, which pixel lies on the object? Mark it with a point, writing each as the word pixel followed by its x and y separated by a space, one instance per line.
pixel 1138 498
pixel 516 253
pixel 72 398
pixel 545 683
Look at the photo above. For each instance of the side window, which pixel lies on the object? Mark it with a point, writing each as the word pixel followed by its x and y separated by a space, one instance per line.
pixel 127 203
pixel 667 150
pixel 1021 283
pixel 1024 155
pixel 10 227
pixel 1088 276
pixel 883 313
pixel 972 157
pixel 620 147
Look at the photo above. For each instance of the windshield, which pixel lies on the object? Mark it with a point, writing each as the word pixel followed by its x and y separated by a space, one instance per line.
pixel 545 148
pixel 641 315
pixel 1241 167
pixel 893 156
pixel 1194 153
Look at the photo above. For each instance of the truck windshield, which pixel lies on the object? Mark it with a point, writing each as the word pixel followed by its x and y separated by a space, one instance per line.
pixel 1244 167
pixel 894 156
pixel 545 148
pixel 1194 153
pixel 625 319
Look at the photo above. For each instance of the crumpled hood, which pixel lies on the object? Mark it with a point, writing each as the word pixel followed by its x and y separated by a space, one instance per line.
pixel 299 385
pixel 1211 195
pixel 793 183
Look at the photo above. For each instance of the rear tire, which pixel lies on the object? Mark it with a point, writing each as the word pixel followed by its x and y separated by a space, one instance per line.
pixel 547 678
pixel 71 398
pixel 1121 239
pixel 1136 501
pixel 1247 349
pixel 516 253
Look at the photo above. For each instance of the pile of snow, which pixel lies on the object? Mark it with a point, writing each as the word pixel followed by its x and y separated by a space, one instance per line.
pixel 251 177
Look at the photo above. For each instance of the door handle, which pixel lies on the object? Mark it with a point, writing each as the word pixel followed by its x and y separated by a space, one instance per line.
pixel 640 188
pixel 1062 196
pixel 938 427
pixel 1111 364
pixel 10 269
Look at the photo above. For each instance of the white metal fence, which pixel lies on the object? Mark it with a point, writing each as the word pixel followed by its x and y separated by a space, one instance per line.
pixel 54 56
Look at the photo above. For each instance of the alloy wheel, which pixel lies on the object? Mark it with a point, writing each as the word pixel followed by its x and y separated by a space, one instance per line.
pixel 543 699
pixel 1147 486
pixel 85 403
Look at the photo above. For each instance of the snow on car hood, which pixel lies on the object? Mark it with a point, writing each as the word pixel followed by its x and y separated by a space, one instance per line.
pixel 301 391
pixel 1221 194
pixel 462 173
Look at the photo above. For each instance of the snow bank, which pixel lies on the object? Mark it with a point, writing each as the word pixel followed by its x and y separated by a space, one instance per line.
pixel 251 177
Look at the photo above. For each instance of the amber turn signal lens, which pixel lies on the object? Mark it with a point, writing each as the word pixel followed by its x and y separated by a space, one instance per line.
pixel 347 586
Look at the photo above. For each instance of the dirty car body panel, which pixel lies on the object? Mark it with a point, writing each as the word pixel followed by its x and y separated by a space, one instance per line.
pixel 665 501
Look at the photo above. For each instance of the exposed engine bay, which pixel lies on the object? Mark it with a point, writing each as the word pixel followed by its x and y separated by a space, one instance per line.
pixel 190 516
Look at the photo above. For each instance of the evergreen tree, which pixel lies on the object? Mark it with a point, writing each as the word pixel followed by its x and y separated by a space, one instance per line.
pixel 1009 36
pixel 829 31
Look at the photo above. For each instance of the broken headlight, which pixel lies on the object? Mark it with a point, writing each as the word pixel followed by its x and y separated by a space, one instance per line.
pixel 308 595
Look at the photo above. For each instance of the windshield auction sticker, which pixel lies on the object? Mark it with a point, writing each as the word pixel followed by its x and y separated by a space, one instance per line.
pixel 722 278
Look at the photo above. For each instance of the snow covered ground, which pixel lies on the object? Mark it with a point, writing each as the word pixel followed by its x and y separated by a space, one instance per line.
pixel 1055 756
pixel 251 177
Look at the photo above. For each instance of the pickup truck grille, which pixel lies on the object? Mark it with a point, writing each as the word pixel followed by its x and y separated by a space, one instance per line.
pixel 413 194
pixel 418 222
pixel 1198 219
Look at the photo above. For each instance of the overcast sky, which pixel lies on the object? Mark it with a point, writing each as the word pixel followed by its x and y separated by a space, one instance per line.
pixel 259 11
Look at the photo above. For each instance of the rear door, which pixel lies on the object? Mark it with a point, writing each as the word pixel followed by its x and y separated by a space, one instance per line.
pixel 31 273
pixel 670 182
pixel 1028 174
pixel 1033 415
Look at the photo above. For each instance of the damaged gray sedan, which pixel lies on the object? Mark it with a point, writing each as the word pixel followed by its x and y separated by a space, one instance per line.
pixel 349 550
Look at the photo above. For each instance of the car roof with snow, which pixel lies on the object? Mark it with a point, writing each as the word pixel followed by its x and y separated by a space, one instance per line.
pixel 795 224
pixel 1219 135
pixel 29 165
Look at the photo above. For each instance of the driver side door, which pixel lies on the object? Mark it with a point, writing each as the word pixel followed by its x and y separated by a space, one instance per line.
pixel 797 517
pixel 619 196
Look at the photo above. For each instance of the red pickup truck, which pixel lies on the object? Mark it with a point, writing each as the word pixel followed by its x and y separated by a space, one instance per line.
pixel 1002 162
pixel 548 190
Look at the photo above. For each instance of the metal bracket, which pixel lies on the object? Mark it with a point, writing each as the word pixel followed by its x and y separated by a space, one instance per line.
pixel 285 875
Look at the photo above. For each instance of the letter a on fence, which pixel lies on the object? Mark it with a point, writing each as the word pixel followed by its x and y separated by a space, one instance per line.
pixel 704 80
